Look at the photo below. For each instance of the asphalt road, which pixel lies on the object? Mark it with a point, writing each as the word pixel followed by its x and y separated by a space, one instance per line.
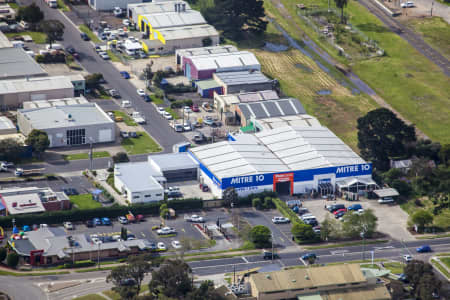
pixel 408 35
pixel 156 126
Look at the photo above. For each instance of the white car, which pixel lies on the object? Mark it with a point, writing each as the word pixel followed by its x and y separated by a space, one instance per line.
pixel 126 22
pixel 187 127
pixel 68 225
pixel 125 104
pixel 187 110
pixel 386 200
pixel 176 244
pixel 196 219
pixel 407 4
pixel 280 220
pixel 141 92
pixel 407 257
pixel 167 116
pixel 123 220
pixel 160 110
pixel 161 246
pixel 359 211
pixel 104 55
pixel 166 230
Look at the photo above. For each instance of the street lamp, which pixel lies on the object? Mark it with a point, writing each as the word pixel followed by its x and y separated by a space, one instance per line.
pixel 91 155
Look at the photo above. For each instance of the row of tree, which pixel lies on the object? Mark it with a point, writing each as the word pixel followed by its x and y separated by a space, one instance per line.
pixel 12 258
pixel 13 150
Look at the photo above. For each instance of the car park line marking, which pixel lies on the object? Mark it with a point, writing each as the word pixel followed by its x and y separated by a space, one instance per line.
pixel 182 229
pixel 143 234
pixel 302 261
pixel 243 257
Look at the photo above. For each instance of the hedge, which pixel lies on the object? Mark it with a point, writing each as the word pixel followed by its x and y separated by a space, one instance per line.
pixel 286 211
pixel 77 215
pixel 78 264
pixel 247 200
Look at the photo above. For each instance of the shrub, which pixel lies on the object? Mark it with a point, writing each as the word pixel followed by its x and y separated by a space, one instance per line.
pixel 303 232
pixel 3 253
pixel 120 157
pixel 268 203
pixel 79 264
pixel 12 260
pixel 260 235
pixel 257 203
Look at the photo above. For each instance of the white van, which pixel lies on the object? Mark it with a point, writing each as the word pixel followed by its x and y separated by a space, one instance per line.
pixel 125 104
pixel 54 47
pixel 24 25
pixel 18 44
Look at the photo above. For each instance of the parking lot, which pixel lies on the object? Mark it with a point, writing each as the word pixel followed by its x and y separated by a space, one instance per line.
pixel 392 219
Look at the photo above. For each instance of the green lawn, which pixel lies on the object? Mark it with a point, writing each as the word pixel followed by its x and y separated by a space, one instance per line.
pixel 442 220
pixel 113 56
pixel 13 5
pixel 173 113
pixel 91 35
pixel 126 118
pixel 435 31
pixel 444 2
pixel 38 37
pixel 446 261
pixel 78 156
pixel 404 78
pixel 90 297
pixel 141 145
pixel 63 6
pixel 440 267
pixel 156 100
pixel 84 201
pixel 394 267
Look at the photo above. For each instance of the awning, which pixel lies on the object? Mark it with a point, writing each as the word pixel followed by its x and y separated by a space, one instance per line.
pixel 387 192
pixel 351 181
pixel 227 225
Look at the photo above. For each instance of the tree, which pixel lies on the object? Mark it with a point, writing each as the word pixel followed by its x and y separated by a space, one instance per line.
pixel 422 279
pixel 173 279
pixel 205 291
pixel 12 260
pixel 422 218
pixel 148 73
pixel 135 269
pixel 157 78
pixel 402 187
pixel 235 17
pixel 381 136
pixel 10 150
pixel 38 140
pixel 3 253
pixel 163 210
pixel 120 157
pixel 341 4
pixel 303 232
pixel 123 233
pixel 260 235
pixel 93 80
pixel 428 284
pixel 54 30
pixel 415 269
pixel 230 196
pixel 444 155
pixel 329 229
pixel 31 13
pixel 355 225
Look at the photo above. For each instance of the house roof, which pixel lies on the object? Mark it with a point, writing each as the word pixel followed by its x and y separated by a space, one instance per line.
pixel 138 176
pixel 23 203
pixel 271 108
pixel 66 116
pixel 15 62
pixel 307 278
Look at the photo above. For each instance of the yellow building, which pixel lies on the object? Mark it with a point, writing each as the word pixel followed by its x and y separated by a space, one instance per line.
pixel 318 283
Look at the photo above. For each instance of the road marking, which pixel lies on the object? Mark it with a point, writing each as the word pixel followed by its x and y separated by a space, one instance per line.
pixel 182 229
pixel 243 257
pixel 282 240
pixel 302 261
pixel 143 234
pixel 338 252
pixel 383 248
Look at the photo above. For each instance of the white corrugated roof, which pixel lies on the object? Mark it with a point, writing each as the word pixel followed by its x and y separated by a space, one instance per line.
pixel 226 60
pixel 185 32
pixel 175 19
pixel 35 84
pixel 55 102
pixel 4 42
pixel 294 120
pixel 205 50
pixel 155 7
pixel 278 150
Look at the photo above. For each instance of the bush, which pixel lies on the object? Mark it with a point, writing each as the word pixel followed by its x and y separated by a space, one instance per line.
pixel 12 260
pixel 257 203
pixel 247 200
pixel 286 211
pixel 79 264
pixel 260 235
pixel 268 203
pixel 303 232
pixel 3 253
pixel 120 158
pixel 181 103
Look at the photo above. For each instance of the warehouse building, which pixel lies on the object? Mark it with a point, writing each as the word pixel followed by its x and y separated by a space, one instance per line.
pixel 4 42
pixel 302 120
pixel 154 7
pixel 16 63
pixel 287 160
pixel 145 181
pixel 180 54
pixel 7 126
pixel 347 281
pixel 105 5
pixel 16 91
pixel 243 81
pixel 203 67
pixel 68 125
pixel 228 103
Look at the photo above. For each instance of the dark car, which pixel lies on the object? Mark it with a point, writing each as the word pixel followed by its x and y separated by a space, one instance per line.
pixel 423 249
pixel 84 36
pixel 70 50
pixel 339 214
pixel 133 134
pixel 106 221
pixel 270 255
pixel 90 223
pixel 125 74
pixel 146 98
pixel 308 256
pixel 335 207
pixel 97 221
pixel 70 191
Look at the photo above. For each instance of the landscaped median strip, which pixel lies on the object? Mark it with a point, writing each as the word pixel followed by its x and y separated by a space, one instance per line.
pixel 78 156
pixel 348 244
pixel 439 264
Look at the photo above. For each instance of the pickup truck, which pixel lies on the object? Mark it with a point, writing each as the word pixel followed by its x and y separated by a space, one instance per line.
pixel 136 116
pixel 21 172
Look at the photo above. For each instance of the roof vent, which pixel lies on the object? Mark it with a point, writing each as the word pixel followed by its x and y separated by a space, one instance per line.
pixel 293 280
pixel 268 276
pixel 306 277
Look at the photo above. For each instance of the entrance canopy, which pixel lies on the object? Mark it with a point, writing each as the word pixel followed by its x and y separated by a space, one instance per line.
pixel 355 184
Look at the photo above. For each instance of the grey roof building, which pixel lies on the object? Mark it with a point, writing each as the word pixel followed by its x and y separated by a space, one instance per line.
pixel 16 63
pixel 243 81
pixel 7 126
pixel 69 124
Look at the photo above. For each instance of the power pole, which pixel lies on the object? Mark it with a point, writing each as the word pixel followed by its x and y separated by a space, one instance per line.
pixel 271 238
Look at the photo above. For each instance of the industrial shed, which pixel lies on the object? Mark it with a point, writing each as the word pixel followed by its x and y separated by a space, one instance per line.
pixel 105 5
pixel 16 91
pixel 180 54
pixel 202 67
pixel 288 160
pixel 175 166
pixel 243 81
pixel 228 103
pixel 7 126
pixel 156 7
pixel 69 125
pixel 16 63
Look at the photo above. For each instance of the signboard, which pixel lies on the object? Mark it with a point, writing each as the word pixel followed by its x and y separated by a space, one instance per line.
pixel 298 176
pixel 283 177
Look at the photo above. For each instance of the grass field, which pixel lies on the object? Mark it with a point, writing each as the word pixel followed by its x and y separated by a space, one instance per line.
pixel 126 118
pixel 90 297
pixel 62 5
pixel 442 220
pixel 441 268
pixel 78 156
pixel 91 35
pixel 446 261
pixel 141 145
pixel 13 5
pixel 404 78
pixel 435 31
pixel 113 57
pixel 38 37
pixel 84 201
pixel 394 267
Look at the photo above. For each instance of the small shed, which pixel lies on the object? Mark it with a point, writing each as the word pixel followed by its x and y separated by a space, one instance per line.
pixel 386 192
pixel 206 88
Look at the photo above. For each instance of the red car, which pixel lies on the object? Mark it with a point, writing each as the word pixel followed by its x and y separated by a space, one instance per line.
pixel 195 108
pixel 340 210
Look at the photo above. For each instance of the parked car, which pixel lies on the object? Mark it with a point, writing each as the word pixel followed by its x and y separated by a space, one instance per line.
pixel 161 246
pixel 124 134
pixel 355 207
pixel 423 249
pixel 89 223
pixel 70 191
pixel 133 134
pixel 131 237
pixel 141 92
pixel 123 220
pixel 280 220
pixel 146 98
pixel 335 207
pixel 270 255
pixel 339 214
pixel 316 229
pixel 68 225
pixel 187 110
pixel 166 230
pixel 160 110
pixel 407 4
pixel 167 116
pixel 125 74
pixel 208 121
pixel 386 200
pixel 176 244
pixel 114 93
pixel 196 219
pixel 308 256
pixel 407 258
pixel 84 36
pixel 71 50
pixel 97 221
pixel 187 127
pixel 340 210
pixel 126 22
pixel 125 104
pixel 104 55
pixel 106 221
pixel 195 108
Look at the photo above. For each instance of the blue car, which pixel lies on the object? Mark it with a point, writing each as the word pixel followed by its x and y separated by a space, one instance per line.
pixel 125 74
pixel 106 221
pixel 308 255
pixel 97 221
pixel 146 98
pixel 423 249
pixel 355 207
